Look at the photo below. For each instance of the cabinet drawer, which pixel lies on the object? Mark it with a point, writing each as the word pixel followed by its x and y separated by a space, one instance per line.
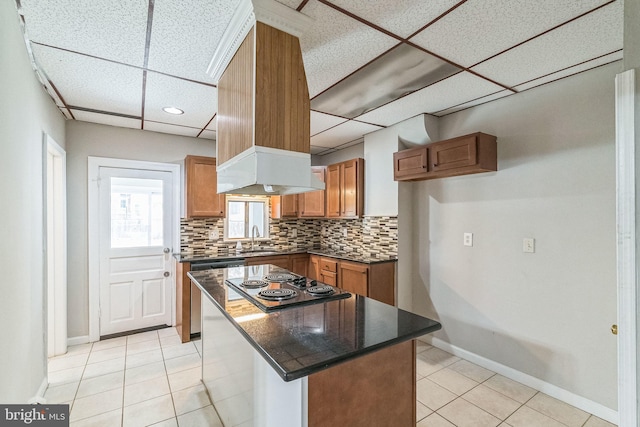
pixel 328 265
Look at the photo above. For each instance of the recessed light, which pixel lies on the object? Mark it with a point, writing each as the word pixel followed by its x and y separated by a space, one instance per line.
pixel 173 110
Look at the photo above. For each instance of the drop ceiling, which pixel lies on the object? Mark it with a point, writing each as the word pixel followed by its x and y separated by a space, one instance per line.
pixel 369 64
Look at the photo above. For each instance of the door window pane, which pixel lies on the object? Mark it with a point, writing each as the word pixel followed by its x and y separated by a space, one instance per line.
pixel 136 212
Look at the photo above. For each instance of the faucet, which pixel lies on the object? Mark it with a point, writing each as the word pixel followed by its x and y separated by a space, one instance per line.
pixel 254 233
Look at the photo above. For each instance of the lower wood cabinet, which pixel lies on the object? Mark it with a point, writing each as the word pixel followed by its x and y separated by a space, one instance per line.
pixel 300 264
pixel 183 301
pixel 329 271
pixel 354 277
pixel 314 267
pixel 282 261
pixel 377 281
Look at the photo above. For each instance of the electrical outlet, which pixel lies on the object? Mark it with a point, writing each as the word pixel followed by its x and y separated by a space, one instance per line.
pixel 294 233
pixel 468 239
pixel 214 234
pixel 528 245
pixel 344 232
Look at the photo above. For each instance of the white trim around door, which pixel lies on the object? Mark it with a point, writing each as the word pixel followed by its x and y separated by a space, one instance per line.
pixel 55 235
pixel 94 165
pixel 626 200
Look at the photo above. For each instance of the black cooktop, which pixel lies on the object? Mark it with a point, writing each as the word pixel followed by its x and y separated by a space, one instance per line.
pixel 272 288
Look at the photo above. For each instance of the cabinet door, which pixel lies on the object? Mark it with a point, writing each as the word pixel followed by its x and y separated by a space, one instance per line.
pixel 455 153
pixel 354 277
pixel 289 205
pixel 300 264
pixel 311 204
pixel 333 191
pixel 329 278
pixel 408 164
pixel 202 198
pixel 314 267
pixel 351 188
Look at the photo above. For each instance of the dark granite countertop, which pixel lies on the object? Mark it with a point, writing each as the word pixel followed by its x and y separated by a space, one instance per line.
pixel 220 256
pixel 300 341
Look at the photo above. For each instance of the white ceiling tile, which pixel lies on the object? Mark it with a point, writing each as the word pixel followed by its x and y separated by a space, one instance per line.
pixel 322 121
pixel 199 102
pixel 185 34
pixel 593 35
pixel 342 134
pixel 92 83
pixel 401 17
pixel 479 29
pixel 474 102
pixel 169 128
pixel 114 30
pixel 454 90
pixel 106 119
pixel 213 124
pixel 208 134
pixel 337 45
pixel 571 70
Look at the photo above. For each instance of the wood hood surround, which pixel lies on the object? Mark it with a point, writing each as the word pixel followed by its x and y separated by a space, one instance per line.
pixel 263 123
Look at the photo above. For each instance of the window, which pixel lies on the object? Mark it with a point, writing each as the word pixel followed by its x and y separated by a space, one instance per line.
pixel 243 214
pixel 136 212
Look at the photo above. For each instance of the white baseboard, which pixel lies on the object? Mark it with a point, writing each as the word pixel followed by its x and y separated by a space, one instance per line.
pixel 39 397
pixel 579 402
pixel 78 340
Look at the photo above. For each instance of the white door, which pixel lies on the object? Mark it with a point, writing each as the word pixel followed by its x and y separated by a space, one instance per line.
pixel 135 220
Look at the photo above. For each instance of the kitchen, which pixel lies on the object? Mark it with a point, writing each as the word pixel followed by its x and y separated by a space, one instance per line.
pixel 546 136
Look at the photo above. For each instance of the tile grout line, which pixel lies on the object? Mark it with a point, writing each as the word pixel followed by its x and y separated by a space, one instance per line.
pixel 166 373
pixel 124 379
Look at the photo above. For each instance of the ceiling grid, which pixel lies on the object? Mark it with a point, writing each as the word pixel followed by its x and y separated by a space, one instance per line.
pixel 368 64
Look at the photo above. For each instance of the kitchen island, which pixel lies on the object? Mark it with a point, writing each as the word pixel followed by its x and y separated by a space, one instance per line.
pixel 347 361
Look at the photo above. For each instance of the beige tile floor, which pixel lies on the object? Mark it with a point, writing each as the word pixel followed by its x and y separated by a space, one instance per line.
pixel 152 378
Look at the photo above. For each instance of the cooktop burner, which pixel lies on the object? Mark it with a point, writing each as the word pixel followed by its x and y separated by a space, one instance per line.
pixel 279 277
pixel 273 288
pixel 321 290
pixel 277 294
pixel 254 284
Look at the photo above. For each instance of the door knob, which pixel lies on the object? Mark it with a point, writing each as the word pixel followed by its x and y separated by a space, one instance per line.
pixel 166 250
pixel 166 274
pixel 614 329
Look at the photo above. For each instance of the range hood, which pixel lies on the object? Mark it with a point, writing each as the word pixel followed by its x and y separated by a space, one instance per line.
pixel 263 123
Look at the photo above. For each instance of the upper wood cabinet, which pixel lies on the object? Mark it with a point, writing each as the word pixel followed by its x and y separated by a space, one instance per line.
pixel 201 188
pixel 312 203
pixel 289 205
pixel 464 155
pixel 412 163
pixel 304 205
pixel 345 189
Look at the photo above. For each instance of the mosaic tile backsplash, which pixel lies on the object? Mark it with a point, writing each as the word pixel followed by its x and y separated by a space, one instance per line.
pixel 368 237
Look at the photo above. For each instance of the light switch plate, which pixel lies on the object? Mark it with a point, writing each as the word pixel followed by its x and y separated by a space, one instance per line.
pixel 468 239
pixel 528 245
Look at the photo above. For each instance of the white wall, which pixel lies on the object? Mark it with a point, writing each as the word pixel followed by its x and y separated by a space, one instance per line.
pixel 90 139
pixel 546 314
pixel 26 112
pixel 380 190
